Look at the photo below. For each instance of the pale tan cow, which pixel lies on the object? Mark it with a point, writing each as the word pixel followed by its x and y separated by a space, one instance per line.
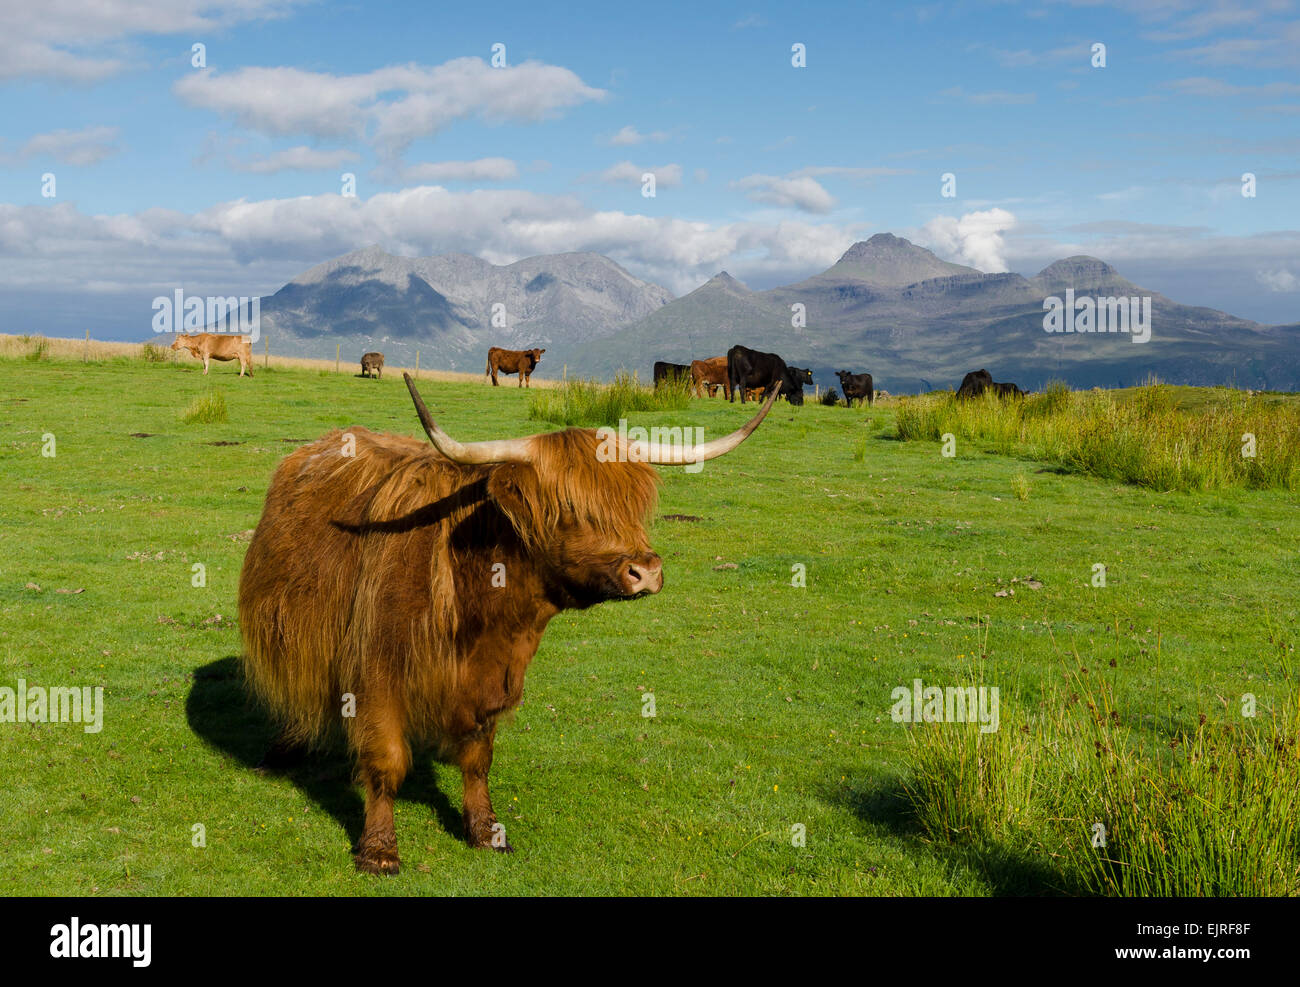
pixel 209 346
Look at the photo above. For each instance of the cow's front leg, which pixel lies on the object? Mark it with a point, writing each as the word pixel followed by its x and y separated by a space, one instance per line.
pixel 482 831
pixel 383 760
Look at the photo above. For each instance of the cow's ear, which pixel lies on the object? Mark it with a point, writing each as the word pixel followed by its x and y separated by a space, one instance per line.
pixel 514 488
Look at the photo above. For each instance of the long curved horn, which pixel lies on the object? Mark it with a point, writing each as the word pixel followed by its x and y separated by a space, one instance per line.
pixel 661 455
pixel 468 453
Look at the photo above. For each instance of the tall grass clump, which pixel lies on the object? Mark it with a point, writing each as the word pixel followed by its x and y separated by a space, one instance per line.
pixel 1143 436
pixel 589 402
pixel 967 787
pixel 153 353
pixel 38 347
pixel 1212 811
pixel 207 409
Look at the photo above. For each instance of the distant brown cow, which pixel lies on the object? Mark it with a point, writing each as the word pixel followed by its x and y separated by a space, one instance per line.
pixel 414 582
pixel 521 362
pixel 710 374
pixel 372 362
pixel 218 346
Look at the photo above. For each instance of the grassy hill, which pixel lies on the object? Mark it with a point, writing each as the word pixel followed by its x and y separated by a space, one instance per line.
pixel 773 700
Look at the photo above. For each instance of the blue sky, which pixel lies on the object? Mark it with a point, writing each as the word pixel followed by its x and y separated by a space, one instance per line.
pixel 225 179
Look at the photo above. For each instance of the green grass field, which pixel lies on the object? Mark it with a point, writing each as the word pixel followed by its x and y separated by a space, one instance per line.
pixel 772 700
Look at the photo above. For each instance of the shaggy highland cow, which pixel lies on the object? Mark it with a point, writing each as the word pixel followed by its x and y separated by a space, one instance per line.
pixel 418 580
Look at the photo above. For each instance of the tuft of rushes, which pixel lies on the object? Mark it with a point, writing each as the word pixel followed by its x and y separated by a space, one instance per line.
pixel 153 353
pixel 1143 436
pixel 207 409
pixel 589 402
pixel 1211 811
pixel 38 347
pixel 1020 485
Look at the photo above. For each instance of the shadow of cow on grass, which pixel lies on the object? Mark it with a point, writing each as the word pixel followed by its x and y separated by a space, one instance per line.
pixel 221 714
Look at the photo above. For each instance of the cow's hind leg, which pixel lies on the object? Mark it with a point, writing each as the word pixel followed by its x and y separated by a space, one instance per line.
pixel 383 758
pixel 482 831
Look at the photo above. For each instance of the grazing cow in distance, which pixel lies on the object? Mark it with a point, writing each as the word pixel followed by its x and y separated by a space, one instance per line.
pixel 977 382
pixel 415 582
pixel 209 346
pixel 748 368
pixel 856 387
pixel 794 380
pixel 372 362
pixel 974 384
pixel 667 371
pixel 708 375
pixel 521 362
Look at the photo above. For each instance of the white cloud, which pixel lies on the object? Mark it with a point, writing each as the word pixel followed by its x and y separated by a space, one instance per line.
pixel 1280 280
pixel 392 106
pixel 480 170
pixel 259 245
pixel 295 159
pixel 629 135
pixel 802 192
pixel 994 97
pixel 1024 57
pixel 666 175
pixel 1204 86
pixel 87 146
pixel 836 171
pixel 976 239
pixel 69 40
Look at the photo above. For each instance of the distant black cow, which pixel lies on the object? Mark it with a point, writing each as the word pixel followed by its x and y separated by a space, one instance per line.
pixel 664 371
pixel 974 384
pixel 750 368
pixel 795 378
pixel 977 382
pixel 856 387
pixel 1007 390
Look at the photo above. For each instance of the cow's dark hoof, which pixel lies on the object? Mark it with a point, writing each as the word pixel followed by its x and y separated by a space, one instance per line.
pixel 481 835
pixel 378 862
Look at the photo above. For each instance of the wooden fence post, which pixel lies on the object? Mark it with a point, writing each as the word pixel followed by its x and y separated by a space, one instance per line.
pixel 266 348
pixel 336 357
pixel 85 353
pixel 417 364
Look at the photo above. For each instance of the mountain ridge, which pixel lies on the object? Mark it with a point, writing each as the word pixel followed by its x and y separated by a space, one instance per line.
pixel 886 305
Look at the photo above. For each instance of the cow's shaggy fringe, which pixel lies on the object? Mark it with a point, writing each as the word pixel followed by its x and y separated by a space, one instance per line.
pixel 328 605
pixel 1153 436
